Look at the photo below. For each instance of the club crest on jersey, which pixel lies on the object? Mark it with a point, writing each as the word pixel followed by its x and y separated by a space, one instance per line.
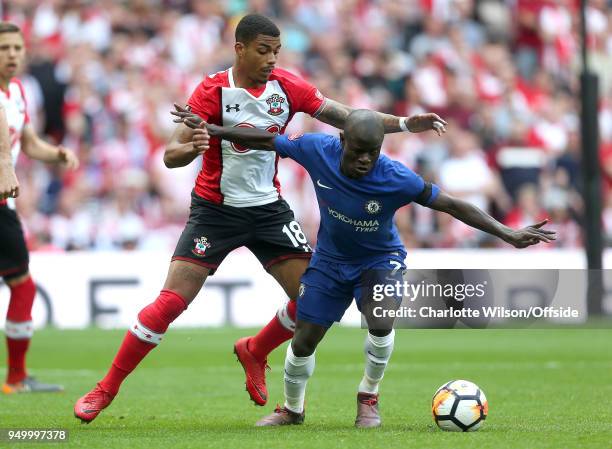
pixel 201 245
pixel 275 101
pixel 373 207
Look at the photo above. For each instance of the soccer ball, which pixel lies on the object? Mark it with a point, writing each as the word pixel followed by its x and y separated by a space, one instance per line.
pixel 459 406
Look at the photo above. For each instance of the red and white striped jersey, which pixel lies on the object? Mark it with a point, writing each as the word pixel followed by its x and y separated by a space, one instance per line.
pixel 232 174
pixel 14 102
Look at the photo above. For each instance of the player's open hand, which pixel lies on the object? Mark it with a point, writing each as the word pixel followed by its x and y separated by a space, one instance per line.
pixel 424 122
pixel 9 186
pixel 68 158
pixel 185 116
pixel 530 235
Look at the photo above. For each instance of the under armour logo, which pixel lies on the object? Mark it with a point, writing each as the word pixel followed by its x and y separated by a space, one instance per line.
pixel 228 108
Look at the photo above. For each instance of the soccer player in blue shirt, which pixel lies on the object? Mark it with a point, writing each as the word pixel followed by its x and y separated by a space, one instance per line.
pixel 358 191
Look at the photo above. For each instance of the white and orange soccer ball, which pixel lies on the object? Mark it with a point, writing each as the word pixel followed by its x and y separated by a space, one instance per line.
pixel 459 406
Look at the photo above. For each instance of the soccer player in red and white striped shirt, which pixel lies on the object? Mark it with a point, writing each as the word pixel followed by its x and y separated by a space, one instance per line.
pixel 17 134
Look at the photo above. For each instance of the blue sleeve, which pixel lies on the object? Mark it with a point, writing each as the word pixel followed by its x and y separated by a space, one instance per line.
pixel 302 148
pixel 414 188
pixel 429 193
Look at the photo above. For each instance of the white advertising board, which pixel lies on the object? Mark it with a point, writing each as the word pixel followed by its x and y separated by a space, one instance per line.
pixel 77 290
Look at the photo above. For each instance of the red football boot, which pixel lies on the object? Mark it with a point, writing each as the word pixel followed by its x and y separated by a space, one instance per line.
pixel 89 406
pixel 255 371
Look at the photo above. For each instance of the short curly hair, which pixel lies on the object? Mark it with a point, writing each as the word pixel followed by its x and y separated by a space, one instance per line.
pixel 251 25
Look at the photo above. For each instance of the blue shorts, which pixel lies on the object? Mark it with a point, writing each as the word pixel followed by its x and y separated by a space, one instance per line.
pixel 328 288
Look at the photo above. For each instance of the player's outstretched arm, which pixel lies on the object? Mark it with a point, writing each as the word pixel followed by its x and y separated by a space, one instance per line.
pixel 9 186
pixel 335 114
pixel 185 116
pixel 250 137
pixel 477 218
pixel 254 138
pixel 36 148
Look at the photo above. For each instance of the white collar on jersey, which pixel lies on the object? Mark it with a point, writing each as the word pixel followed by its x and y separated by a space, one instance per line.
pixel 230 77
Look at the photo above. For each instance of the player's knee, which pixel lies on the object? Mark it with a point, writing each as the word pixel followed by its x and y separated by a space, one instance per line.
pixel 293 290
pixel 290 284
pixel 288 274
pixel 186 279
pixel 303 347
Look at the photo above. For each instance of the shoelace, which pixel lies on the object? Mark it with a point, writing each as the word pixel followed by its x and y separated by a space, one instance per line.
pixel 280 410
pixel 264 365
pixel 369 401
pixel 94 397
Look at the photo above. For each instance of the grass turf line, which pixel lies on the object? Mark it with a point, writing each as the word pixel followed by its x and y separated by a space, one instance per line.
pixel 546 389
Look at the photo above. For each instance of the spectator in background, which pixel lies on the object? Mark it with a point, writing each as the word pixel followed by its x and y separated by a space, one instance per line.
pixel 466 175
pixel 528 207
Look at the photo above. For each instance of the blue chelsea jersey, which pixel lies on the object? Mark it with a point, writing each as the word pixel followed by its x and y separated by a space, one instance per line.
pixel 356 214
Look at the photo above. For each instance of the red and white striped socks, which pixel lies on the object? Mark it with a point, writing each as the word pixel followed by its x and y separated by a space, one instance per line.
pixel 19 329
pixel 144 335
pixel 276 332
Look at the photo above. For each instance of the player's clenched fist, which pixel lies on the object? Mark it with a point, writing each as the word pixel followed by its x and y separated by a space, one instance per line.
pixel 67 157
pixel 9 186
pixel 200 139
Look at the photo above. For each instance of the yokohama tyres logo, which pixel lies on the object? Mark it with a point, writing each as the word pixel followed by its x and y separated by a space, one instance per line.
pixel 273 129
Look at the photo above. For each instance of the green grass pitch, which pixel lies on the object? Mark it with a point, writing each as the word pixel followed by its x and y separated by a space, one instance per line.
pixel 546 389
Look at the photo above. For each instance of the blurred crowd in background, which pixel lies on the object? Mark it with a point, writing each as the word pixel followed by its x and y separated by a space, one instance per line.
pixel 102 76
